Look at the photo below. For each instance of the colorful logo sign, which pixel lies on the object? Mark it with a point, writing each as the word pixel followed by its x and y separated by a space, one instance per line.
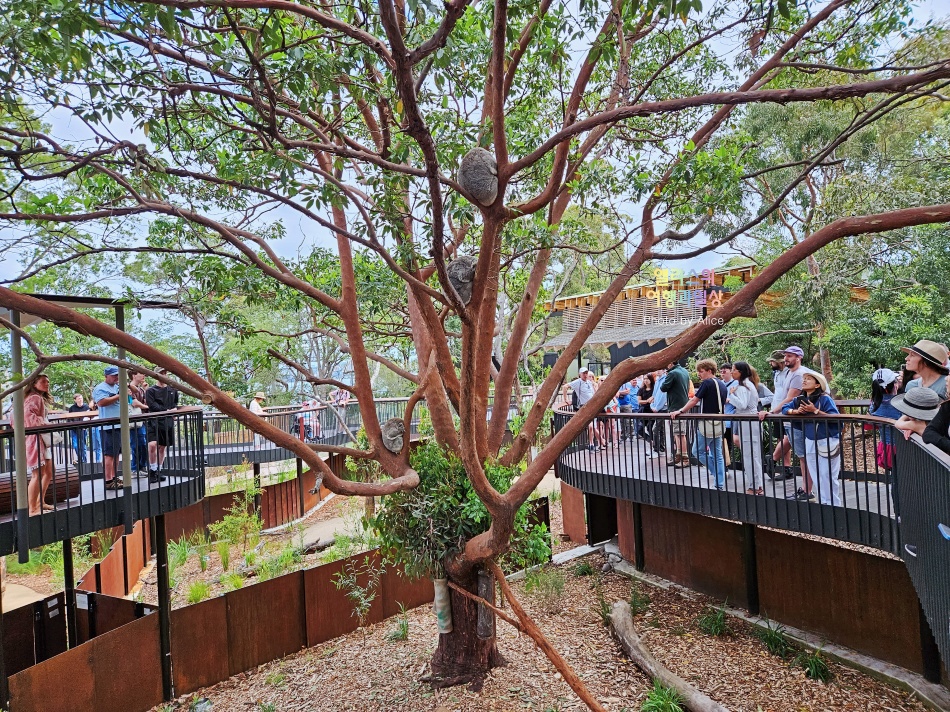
pixel 673 287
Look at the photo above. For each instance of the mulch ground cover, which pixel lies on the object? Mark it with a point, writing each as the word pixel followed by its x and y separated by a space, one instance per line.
pixel 367 670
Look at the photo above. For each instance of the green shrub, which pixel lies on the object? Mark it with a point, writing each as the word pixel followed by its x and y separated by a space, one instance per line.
pixel 773 638
pixel 662 699
pixel 713 621
pixel 283 562
pixel 362 595
pixel 178 552
pixel 242 524
pixel 814 665
pixel 546 585
pixel 198 591
pixel 421 528
pixel 584 568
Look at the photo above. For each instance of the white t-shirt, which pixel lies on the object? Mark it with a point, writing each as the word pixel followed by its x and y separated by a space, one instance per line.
pixel 583 389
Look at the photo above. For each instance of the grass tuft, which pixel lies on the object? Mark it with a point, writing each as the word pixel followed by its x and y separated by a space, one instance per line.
pixel 584 568
pixel 639 601
pixel 662 699
pixel 713 621
pixel 401 631
pixel 773 638
pixel 546 585
pixel 198 591
pixel 814 665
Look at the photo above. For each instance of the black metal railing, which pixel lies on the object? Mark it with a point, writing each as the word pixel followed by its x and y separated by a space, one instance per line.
pixel 923 508
pixel 72 454
pixel 838 481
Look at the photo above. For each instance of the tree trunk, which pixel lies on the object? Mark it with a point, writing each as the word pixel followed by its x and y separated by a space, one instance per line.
pixel 462 657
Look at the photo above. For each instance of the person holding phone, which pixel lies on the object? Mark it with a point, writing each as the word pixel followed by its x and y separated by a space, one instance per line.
pixel 822 439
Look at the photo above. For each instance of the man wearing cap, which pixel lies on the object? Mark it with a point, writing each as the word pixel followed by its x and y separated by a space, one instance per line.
pixel 928 360
pixel 676 386
pixel 160 432
pixel 794 435
pixel 583 386
pixel 106 398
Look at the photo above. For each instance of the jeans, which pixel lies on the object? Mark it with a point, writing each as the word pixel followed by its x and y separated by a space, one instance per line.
pixel 79 444
pixel 96 445
pixel 709 452
pixel 627 425
pixel 139 448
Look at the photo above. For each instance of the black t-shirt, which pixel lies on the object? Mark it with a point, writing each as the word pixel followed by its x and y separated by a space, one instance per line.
pixel 707 395
pixel 84 408
pixel 646 394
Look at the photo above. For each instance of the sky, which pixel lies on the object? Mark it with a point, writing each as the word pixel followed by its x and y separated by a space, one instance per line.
pixel 302 236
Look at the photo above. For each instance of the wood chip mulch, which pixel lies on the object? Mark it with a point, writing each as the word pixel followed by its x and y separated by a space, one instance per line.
pixel 364 671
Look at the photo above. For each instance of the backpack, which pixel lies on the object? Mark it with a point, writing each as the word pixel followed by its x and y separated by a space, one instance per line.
pixel 575 400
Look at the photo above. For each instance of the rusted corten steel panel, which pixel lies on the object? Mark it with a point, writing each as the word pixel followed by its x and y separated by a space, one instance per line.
pixel 52 611
pixel 329 611
pixel 860 600
pixel 625 536
pixel 88 582
pixel 702 553
pixel 402 589
pixel 134 560
pixel 112 613
pixel 218 506
pixel 200 645
pixel 115 534
pixel 128 663
pixel 112 572
pixel 182 522
pixel 572 513
pixel 18 639
pixel 61 684
pixel 265 621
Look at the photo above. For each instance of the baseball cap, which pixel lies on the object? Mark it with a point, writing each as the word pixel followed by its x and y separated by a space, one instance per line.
pixel 795 350
pixel 777 356
pixel 111 371
pixel 884 376
pixel 583 370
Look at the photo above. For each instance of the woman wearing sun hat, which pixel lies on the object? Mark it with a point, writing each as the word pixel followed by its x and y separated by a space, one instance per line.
pixel 257 408
pixel 822 438
pixel 928 360
pixel 917 407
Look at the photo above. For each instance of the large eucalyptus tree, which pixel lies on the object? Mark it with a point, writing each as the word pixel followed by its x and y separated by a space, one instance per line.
pixel 203 128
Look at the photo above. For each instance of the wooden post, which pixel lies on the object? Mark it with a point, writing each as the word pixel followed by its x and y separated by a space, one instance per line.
pixel 300 487
pixel 257 487
pixel 638 560
pixel 750 566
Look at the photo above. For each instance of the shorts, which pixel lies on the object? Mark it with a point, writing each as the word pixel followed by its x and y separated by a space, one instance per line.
pixel 797 438
pixel 161 431
pixel 111 442
pixel 678 427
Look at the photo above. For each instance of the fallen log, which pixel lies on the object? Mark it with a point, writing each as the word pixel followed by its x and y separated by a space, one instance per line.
pixel 621 625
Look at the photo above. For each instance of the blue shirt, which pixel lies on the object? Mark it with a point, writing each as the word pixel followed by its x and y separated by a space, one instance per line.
pixel 626 400
pixel 659 396
pixel 100 392
pixel 818 429
pixel 886 410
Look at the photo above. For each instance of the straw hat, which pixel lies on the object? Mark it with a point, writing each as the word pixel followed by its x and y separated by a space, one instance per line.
pixel 822 381
pixel 930 351
pixel 920 403
pixel 260 395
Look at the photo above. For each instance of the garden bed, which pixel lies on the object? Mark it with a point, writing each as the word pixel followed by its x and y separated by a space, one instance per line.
pixel 374 669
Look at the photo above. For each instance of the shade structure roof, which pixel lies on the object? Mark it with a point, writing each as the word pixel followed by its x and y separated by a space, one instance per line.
pixel 620 335
pixel 80 302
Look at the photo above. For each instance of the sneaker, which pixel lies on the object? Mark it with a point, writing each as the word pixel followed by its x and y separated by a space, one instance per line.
pixel 154 477
pixel 592 448
pixel 114 484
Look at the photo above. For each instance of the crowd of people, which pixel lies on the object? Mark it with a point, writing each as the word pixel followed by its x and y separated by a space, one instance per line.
pixel 148 440
pixel 915 398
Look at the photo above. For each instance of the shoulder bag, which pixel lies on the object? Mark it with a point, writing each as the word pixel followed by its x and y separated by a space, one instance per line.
pixel 713 428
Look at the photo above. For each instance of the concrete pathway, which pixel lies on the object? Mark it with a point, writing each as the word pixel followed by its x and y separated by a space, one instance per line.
pixel 17 596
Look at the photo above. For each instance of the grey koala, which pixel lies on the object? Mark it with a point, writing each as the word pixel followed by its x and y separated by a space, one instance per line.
pixel 461 275
pixel 393 431
pixel 478 174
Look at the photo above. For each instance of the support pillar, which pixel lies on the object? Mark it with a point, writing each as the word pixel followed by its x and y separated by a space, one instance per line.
pixel 638 561
pixel 164 609
pixel 124 430
pixel 750 567
pixel 257 487
pixel 300 487
pixel 69 577
pixel 19 448
pixel 929 652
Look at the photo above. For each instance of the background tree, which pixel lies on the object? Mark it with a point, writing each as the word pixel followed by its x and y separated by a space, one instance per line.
pixel 204 119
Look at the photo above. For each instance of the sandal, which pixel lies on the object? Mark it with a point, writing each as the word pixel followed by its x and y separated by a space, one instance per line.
pixel 760 492
pixel 48 507
pixel 114 484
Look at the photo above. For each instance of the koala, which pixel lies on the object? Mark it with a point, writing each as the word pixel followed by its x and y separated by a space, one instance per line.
pixel 393 432
pixel 478 174
pixel 461 275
